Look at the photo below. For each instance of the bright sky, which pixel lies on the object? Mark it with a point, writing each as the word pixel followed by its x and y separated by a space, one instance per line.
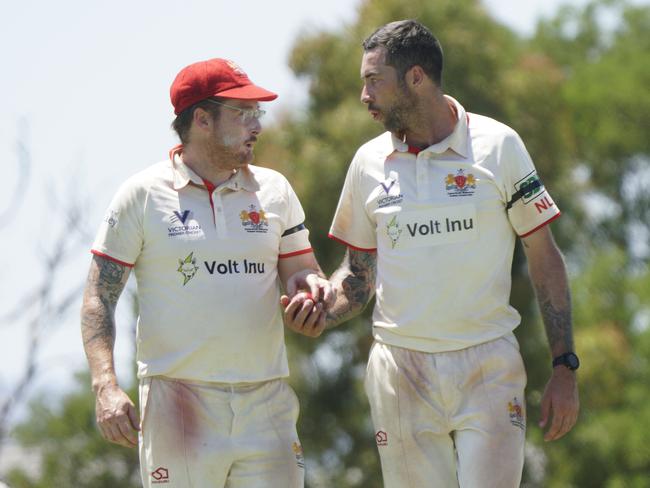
pixel 86 85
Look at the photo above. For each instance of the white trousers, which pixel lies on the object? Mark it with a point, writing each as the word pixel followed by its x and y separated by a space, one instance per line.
pixel 449 419
pixel 196 435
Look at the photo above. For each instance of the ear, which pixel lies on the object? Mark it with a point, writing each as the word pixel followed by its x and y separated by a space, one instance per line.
pixel 201 118
pixel 415 76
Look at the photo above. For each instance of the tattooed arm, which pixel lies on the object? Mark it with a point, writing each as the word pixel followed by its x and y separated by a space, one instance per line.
pixel 116 415
pixel 549 278
pixel 354 284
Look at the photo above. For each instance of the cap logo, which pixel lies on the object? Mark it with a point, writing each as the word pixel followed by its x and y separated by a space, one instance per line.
pixel 233 66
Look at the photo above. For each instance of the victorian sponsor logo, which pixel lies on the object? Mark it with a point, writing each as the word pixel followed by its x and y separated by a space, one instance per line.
pixel 183 224
pixel 254 221
pixel 391 194
pixel 516 414
pixel 160 475
pixel 460 185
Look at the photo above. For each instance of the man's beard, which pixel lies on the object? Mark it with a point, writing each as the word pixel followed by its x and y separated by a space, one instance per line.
pixel 396 117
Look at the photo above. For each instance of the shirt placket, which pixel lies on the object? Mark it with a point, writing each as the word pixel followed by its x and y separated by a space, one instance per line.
pixel 422 176
pixel 219 214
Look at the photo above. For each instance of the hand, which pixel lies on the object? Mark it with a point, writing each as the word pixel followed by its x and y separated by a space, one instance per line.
pixel 561 400
pixel 303 314
pixel 116 415
pixel 320 289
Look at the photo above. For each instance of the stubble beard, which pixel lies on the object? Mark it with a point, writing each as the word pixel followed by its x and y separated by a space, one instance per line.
pixel 396 117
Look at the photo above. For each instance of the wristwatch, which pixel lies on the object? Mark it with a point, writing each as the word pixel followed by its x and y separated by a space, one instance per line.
pixel 568 359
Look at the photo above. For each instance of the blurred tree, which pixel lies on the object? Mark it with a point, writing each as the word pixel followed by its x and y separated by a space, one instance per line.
pixel 72 451
pixel 577 94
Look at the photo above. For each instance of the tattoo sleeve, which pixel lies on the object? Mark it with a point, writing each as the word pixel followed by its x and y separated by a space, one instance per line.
pixel 556 315
pixel 355 284
pixel 548 274
pixel 106 280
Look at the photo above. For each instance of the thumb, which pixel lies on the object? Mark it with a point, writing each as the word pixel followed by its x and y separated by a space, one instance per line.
pixel 134 417
pixel 284 300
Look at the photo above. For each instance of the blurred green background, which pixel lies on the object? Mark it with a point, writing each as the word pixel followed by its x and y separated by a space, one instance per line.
pixel 578 92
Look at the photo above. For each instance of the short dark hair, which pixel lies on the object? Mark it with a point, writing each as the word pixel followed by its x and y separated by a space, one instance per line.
pixel 408 43
pixel 183 120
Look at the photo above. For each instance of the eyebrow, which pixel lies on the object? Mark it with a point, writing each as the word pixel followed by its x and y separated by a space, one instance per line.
pixel 369 74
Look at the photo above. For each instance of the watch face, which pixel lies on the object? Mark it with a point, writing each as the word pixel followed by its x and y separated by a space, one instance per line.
pixel 572 361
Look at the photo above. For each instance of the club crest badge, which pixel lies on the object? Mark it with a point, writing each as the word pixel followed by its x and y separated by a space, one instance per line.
pixel 460 184
pixel 253 220
pixel 516 413
pixel 297 451
pixel 187 267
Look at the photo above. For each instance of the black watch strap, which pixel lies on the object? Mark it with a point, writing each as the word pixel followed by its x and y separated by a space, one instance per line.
pixel 568 359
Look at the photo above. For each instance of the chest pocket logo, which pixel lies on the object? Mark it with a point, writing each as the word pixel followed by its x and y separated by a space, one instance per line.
pixel 254 221
pixel 460 184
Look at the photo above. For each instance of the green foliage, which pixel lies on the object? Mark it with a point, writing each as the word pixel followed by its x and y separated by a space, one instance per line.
pixel 73 453
pixel 577 92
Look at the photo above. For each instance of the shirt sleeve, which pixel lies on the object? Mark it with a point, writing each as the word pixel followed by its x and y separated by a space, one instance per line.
pixel 295 236
pixel 120 235
pixel 529 205
pixel 351 224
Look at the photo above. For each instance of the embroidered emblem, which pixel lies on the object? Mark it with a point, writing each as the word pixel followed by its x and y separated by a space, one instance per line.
pixel 391 194
pixel 160 475
pixel 382 438
pixel 393 231
pixel 254 221
pixel 297 450
pixel 460 185
pixel 111 218
pixel 183 224
pixel 235 67
pixel 516 414
pixel 187 267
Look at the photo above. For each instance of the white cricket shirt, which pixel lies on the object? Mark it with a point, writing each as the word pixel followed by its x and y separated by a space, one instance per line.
pixel 205 261
pixel 443 222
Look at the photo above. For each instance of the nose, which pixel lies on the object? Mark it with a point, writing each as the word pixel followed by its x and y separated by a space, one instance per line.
pixel 365 96
pixel 256 127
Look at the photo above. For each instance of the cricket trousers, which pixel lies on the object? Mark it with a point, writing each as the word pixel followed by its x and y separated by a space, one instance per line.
pixel 450 419
pixel 200 435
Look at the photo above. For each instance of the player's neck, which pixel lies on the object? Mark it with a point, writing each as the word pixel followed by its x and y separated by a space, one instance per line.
pixel 208 166
pixel 433 121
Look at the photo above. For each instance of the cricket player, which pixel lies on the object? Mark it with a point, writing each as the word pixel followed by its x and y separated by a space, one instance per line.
pixel 211 238
pixel 429 212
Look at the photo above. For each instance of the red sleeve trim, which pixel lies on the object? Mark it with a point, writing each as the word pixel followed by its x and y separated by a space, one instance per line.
pixel 371 249
pixel 541 225
pixel 110 258
pixel 296 253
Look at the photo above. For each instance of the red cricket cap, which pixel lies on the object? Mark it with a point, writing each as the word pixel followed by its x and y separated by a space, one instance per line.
pixel 212 78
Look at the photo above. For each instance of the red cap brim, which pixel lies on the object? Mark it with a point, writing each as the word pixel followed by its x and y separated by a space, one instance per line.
pixel 248 92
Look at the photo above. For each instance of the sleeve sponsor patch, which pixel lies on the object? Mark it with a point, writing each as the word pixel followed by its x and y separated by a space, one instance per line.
pixel 526 189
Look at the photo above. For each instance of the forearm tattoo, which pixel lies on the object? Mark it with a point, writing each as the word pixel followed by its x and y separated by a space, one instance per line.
pixel 105 284
pixel 355 280
pixel 557 321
